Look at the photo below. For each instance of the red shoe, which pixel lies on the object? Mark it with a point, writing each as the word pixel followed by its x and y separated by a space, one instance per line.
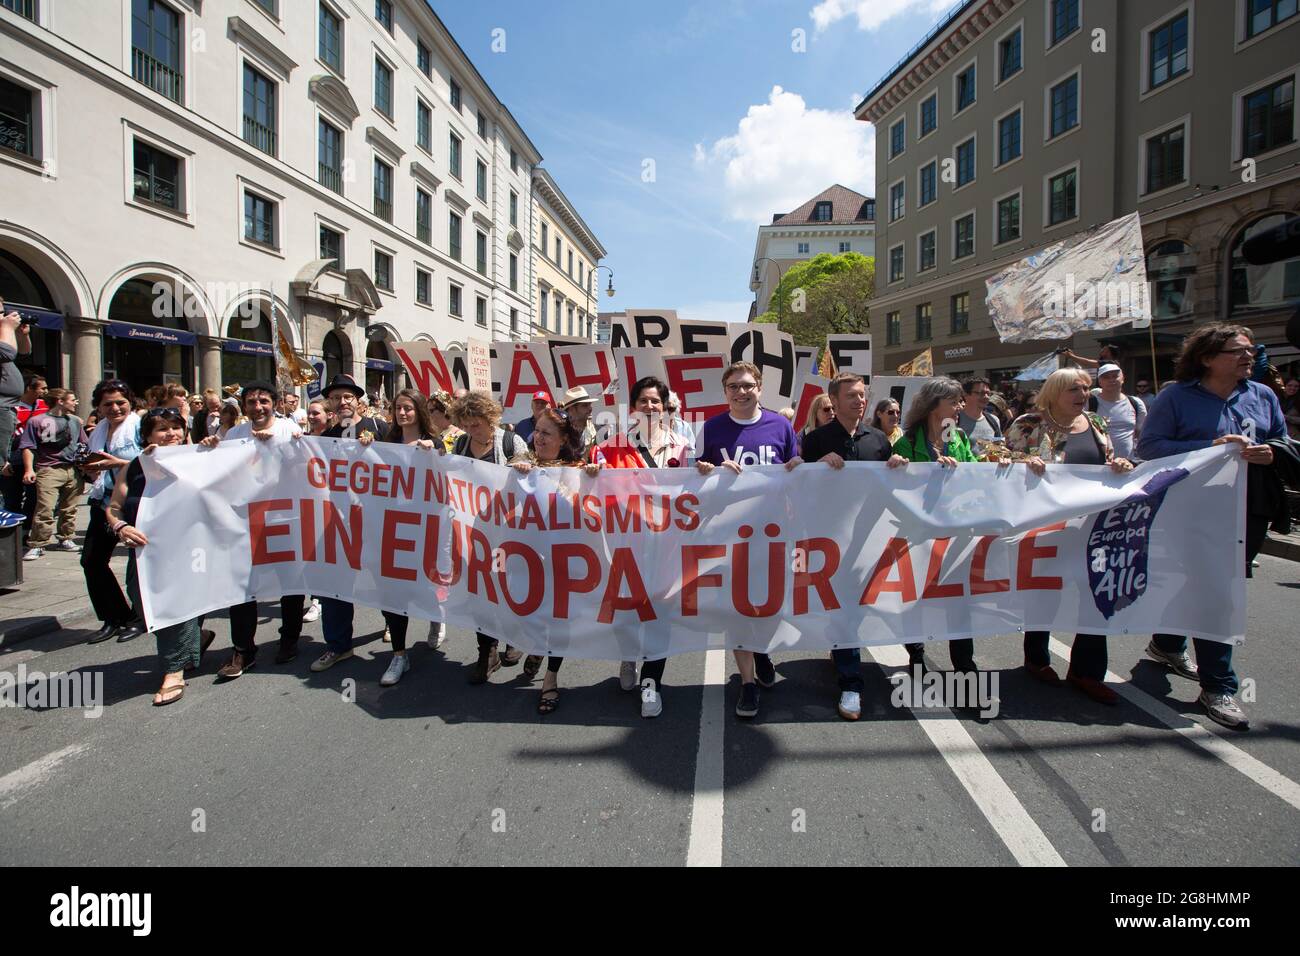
pixel 1094 689
pixel 1044 673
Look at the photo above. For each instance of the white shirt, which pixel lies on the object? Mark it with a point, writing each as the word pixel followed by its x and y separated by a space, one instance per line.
pixel 282 429
pixel 1121 422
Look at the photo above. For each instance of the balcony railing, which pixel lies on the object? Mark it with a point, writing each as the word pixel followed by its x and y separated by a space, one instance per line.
pixel 157 76
pixel 384 209
pixel 329 177
pixel 259 136
pixel 24 8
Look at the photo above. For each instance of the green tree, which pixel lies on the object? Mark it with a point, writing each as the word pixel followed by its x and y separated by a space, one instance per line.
pixel 826 295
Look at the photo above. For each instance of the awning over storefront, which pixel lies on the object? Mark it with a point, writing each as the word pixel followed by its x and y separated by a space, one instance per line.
pixel 242 347
pixel 41 318
pixel 150 333
pixel 379 365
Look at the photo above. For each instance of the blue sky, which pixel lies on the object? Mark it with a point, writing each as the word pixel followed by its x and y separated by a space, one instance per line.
pixel 737 123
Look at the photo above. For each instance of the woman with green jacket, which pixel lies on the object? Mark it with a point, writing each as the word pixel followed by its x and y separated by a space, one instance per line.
pixel 930 433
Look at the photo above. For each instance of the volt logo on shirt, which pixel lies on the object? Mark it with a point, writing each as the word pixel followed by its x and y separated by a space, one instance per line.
pixel 765 455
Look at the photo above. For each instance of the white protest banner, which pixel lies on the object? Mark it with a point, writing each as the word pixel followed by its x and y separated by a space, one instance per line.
pixel 700 335
pixel 851 353
pixel 591 367
pixel 646 563
pixel 697 380
pixel 901 388
pixel 427 366
pixel 810 386
pixel 520 369
pixel 773 352
pixel 646 329
pixel 479 356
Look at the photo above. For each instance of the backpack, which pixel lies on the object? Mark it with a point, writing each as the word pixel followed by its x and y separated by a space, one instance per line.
pixel 1092 405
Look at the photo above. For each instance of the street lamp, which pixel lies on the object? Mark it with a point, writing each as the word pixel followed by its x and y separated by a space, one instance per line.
pixel 609 290
pixel 780 274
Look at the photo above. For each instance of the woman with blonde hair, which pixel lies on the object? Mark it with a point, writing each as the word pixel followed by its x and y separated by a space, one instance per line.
pixel 1060 430
pixel 886 417
pixel 819 413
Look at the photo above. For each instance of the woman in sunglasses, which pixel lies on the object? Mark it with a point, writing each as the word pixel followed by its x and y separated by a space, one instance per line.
pixel 886 417
pixel 556 444
pixel 180 646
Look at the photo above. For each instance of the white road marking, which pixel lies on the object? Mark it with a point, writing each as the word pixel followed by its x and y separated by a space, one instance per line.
pixel 14 785
pixel 705 846
pixel 1208 735
pixel 994 798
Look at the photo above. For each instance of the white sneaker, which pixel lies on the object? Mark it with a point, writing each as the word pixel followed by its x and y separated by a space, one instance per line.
pixel 328 660
pixel 1224 709
pixel 312 614
pixel 652 705
pixel 67 544
pixel 398 666
pixel 437 635
pixel 627 675
pixel 34 554
pixel 850 706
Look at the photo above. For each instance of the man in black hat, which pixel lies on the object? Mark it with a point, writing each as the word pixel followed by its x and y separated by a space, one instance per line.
pixel 336 615
pixel 259 400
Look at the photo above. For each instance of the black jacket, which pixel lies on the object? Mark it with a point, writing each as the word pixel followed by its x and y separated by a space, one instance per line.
pixel 865 444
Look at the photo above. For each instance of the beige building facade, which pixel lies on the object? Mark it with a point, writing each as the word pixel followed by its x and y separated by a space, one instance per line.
pixel 566 261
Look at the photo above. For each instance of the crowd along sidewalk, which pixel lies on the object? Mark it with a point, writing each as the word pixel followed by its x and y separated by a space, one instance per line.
pixel 53 595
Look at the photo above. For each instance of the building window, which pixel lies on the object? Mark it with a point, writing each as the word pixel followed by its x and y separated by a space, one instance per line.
pixel 482 125
pixel 802 248
pixel 156 48
pixel 1261 288
pixel 383 271
pixel 424 58
pixel 963 243
pixel 925 252
pixel 480 252
pixel 966 162
pixel 844 246
pixel 16 119
pixel 329 157
pixel 454 95
pixel 544 242
pixel 961 313
pixel 1268 118
pixel 1171 268
pixel 965 88
pixel 1064 19
pixel 383 190
pixel 1063 197
pixel 546 301
pixel 480 179
pixel 557 252
pixel 384 14
pixel 1009 138
pixel 1008 219
pixel 259 220
pixel 924 314
pixel 570 269
pixel 514 321
pixel 480 311
pixel 929 184
pixel 157 177
pixel 383 88
pixel 897 138
pixel 894 328
pixel 1263 15
pixel 453 236
pixel 871 210
pixel 896 264
pixel 514 208
pixel 570 332
pixel 423 126
pixel 24 8
pixel 424 216
pixel 897 201
pixel 259 111
pixel 453 156
pixel 423 287
pixel 514 160
pixel 1168 51
pixel 331 247
pixel 1065 106
pixel 514 272
pixel 1009 56
pixel 1165 161
pixel 823 212
pixel 580 267
pixel 930 114
pixel 330 45
pixel 453 300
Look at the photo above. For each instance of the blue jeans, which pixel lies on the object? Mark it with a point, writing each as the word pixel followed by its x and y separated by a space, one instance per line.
pixel 1087 657
pixel 336 621
pixel 848 666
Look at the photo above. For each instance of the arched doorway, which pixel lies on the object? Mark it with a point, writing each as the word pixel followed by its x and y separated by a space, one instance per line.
pixel 380 372
pixel 1261 288
pixel 247 354
pixel 337 352
pixel 23 291
pixel 147 340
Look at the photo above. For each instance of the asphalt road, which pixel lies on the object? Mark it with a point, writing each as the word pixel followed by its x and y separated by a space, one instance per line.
pixel 280 768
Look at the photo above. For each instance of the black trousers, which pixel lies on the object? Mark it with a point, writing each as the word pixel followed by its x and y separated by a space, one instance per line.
pixel 652 669
pixel 397 625
pixel 243 624
pixel 106 595
pixel 961 651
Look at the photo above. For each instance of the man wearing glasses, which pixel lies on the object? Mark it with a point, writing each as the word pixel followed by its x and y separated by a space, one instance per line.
pixel 747 434
pixel 975 419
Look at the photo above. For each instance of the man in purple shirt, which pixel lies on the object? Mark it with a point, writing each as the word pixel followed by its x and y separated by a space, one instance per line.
pixel 1213 402
pixel 747 434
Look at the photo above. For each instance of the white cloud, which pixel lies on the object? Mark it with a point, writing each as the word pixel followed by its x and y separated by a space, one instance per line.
pixel 716 311
pixel 784 153
pixel 872 14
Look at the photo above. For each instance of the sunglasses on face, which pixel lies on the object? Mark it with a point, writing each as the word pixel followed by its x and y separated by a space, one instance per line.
pixel 173 414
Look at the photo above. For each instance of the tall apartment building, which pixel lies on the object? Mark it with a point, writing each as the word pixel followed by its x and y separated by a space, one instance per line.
pixel 1059 115
pixel 834 221
pixel 179 174
pixel 566 258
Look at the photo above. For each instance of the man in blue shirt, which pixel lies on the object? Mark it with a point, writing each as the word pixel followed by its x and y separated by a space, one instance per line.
pixel 1213 402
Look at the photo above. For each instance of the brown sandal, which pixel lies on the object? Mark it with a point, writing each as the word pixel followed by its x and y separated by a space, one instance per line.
pixel 547 705
pixel 167 689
